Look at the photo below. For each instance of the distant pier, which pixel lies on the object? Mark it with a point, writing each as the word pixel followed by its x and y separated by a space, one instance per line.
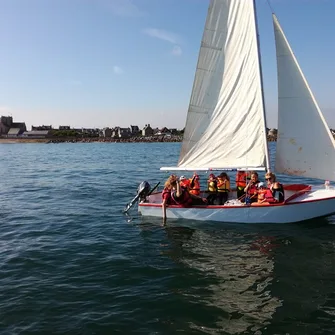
pixel 137 139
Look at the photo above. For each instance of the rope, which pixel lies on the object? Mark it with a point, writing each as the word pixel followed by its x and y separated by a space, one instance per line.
pixel 271 8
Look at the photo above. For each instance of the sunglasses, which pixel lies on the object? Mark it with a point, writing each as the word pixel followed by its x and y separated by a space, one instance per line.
pixel 267 178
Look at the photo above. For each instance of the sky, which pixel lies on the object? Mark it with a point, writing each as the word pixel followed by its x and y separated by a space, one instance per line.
pixel 107 63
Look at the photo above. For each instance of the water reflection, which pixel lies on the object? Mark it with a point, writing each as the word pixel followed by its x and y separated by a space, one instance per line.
pixel 239 268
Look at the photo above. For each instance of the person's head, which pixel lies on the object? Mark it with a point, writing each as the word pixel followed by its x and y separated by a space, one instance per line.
pixel 182 178
pixel 254 177
pixel 270 177
pixel 223 175
pixel 171 182
pixel 211 176
pixel 261 185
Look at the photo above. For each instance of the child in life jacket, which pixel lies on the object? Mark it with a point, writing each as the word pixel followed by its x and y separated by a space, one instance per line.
pixel 261 193
pixel 212 189
pixel 184 182
pixel 251 190
pixel 194 187
pixel 223 185
pixel 241 183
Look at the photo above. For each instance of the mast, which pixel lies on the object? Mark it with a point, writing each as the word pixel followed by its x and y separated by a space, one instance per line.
pixel 262 89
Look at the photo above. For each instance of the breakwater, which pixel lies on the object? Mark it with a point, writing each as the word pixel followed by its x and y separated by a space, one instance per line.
pixel 138 139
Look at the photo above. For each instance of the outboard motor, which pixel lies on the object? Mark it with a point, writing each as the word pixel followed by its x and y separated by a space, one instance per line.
pixel 143 191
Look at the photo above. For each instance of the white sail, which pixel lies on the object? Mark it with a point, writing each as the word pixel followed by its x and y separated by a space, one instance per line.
pixel 305 145
pixel 225 125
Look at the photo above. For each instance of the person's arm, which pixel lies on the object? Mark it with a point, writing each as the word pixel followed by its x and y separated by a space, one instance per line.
pixel 247 187
pixel 193 196
pixel 178 189
pixel 164 205
pixel 192 182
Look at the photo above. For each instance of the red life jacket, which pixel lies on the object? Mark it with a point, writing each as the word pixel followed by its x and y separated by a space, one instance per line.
pixel 166 194
pixel 268 196
pixel 253 189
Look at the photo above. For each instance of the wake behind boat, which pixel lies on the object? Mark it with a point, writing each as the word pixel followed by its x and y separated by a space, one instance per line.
pixel 226 123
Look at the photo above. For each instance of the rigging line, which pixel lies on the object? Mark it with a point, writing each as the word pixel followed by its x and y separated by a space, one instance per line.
pixel 271 8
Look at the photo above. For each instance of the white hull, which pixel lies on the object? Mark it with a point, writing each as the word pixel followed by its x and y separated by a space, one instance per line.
pixel 308 205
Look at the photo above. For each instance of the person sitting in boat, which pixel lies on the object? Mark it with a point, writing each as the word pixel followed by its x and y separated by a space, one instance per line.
pixel 168 188
pixel 166 194
pixel 223 185
pixel 183 197
pixel 194 187
pixel 251 190
pixel 276 189
pixel 212 189
pixel 184 182
pixel 241 183
pixel 261 193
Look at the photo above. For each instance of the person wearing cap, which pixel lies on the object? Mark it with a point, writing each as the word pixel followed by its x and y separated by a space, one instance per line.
pixel 277 193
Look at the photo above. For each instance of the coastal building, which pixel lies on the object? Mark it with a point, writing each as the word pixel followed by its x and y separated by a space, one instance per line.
pixel 119 132
pixel 36 134
pixel 64 128
pixel 106 132
pixel 10 128
pixel 33 128
pixel 147 130
pixel 89 132
pixel 135 130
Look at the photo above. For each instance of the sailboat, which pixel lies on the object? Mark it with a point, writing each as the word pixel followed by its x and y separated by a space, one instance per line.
pixel 226 123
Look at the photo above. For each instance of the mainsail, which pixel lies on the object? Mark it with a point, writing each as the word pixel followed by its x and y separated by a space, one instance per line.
pixel 225 126
pixel 305 145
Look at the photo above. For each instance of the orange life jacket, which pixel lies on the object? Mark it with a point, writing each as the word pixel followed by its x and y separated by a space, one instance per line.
pixel 185 183
pixel 196 187
pixel 241 179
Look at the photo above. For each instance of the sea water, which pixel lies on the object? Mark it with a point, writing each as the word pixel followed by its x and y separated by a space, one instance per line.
pixel 72 263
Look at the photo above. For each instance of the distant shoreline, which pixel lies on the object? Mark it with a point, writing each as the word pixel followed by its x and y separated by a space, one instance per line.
pixel 147 139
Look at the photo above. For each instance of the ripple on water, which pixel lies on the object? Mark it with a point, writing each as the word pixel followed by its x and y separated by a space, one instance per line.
pixel 70 263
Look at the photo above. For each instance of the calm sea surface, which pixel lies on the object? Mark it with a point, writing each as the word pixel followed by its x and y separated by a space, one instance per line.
pixel 72 263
